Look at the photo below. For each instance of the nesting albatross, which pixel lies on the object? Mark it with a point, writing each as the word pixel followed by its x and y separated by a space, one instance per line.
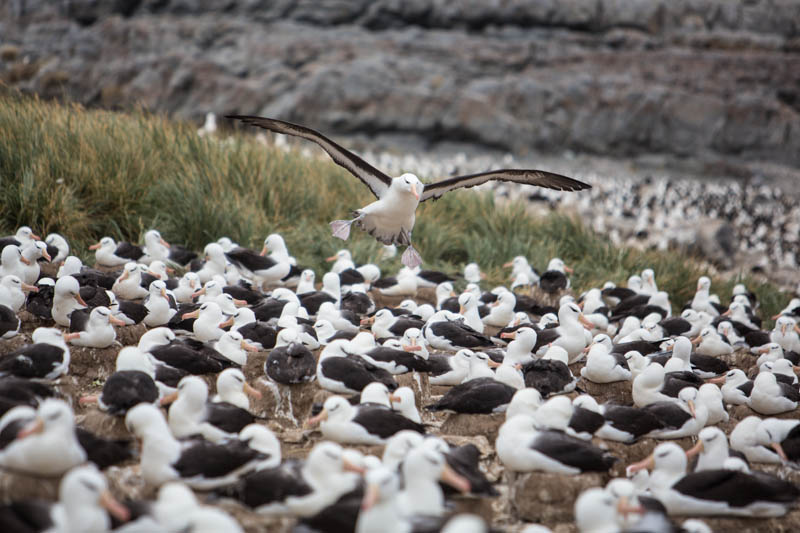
pixel 390 219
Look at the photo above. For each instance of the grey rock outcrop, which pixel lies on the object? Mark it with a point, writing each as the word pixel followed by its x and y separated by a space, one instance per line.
pixel 716 82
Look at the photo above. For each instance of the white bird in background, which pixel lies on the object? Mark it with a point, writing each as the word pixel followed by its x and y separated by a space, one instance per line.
pixel 390 219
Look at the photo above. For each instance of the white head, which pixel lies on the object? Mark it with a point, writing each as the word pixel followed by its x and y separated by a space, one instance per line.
pixel 409 184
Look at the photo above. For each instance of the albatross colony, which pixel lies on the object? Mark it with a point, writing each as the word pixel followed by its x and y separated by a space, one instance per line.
pixel 390 219
pixel 233 399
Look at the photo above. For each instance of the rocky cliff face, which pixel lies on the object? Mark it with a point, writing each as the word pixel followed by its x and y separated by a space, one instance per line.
pixel 713 82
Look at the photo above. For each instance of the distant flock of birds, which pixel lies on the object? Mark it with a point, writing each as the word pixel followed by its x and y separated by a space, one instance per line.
pixel 496 351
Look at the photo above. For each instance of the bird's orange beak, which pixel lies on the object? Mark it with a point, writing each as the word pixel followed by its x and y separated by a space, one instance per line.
pixel 330 259
pixel 694 450
pixel 624 508
pixel 455 480
pixel 247 346
pixel 35 237
pixel 586 322
pixel 169 398
pixel 116 321
pixel 80 300
pixel 263 251
pixel 779 450
pixel 568 270
pixel 717 380
pixel 95 246
pixel 46 255
pixel 371 497
pixel 31 288
pixel 193 314
pixel 697 340
pixel 25 260
pixel 350 467
pixel 225 324
pixel 164 243
pixel 250 391
pixel 314 420
pixel 37 426
pixel 414 190
pixel 116 509
pixel 645 464
pixel 91 398
pixel 164 294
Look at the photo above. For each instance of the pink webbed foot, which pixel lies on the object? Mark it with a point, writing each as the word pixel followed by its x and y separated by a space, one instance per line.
pixel 341 228
pixel 411 258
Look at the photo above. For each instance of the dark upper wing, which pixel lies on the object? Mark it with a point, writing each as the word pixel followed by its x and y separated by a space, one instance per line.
pixel 250 260
pixel 129 251
pixel 377 181
pixel 540 178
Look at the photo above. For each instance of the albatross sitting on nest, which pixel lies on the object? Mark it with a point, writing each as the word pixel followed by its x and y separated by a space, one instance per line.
pixel 390 218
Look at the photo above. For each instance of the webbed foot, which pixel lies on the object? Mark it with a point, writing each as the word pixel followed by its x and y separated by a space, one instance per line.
pixel 411 258
pixel 341 228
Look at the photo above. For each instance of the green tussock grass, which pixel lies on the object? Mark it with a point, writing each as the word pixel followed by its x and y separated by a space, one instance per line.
pixel 87 173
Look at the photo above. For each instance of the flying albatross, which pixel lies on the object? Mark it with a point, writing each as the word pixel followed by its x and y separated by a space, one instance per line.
pixel 390 219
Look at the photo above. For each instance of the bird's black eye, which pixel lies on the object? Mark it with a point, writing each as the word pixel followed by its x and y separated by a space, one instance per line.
pixel 332 454
pixel 54 416
pixel 663 454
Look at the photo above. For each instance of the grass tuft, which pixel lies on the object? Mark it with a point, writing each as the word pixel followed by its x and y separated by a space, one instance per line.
pixel 89 173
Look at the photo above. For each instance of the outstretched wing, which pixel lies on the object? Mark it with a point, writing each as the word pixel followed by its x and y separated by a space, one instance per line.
pixel 528 177
pixel 377 181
